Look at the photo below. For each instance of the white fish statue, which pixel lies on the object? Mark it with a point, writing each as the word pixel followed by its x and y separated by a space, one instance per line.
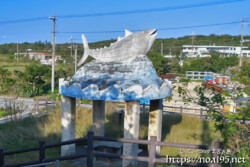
pixel 126 47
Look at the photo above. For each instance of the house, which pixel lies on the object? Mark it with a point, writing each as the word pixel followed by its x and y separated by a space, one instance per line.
pixel 204 50
pixel 45 58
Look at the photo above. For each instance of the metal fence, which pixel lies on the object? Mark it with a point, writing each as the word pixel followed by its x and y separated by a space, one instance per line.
pixel 57 164
pixel 47 104
pixel 183 110
pixel 200 75
pixel 152 158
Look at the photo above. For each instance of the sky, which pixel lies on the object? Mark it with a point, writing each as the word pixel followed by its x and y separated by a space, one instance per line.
pixel 28 20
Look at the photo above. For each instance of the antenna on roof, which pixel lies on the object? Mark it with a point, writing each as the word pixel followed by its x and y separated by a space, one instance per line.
pixel 193 37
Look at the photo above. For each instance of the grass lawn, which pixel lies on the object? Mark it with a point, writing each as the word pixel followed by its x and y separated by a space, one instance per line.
pixel 12 66
pixel 15 67
pixel 27 133
pixel 4 113
pixel 10 62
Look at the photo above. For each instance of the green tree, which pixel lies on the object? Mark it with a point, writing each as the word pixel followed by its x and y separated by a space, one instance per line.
pixel 5 80
pixel 160 63
pixel 215 63
pixel 32 79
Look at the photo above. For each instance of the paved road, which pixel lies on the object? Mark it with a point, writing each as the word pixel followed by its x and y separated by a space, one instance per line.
pixel 25 104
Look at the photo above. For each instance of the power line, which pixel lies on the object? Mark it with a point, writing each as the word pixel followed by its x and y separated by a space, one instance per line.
pixel 159 29
pixel 199 26
pixel 23 20
pixel 219 2
pixel 154 9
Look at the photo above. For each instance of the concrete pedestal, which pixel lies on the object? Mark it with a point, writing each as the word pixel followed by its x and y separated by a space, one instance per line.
pixel 131 129
pixel 98 117
pixel 155 121
pixel 68 124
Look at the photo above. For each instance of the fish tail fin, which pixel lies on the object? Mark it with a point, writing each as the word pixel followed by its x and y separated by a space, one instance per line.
pixel 86 48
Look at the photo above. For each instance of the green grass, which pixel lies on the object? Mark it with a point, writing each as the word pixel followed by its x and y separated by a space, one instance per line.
pixel 27 133
pixel 4 113
pixel 10 63
pixel 86 101
pixel 16 67
pixel 12 66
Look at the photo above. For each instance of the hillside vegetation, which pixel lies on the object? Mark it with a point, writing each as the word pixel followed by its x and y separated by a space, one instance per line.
pixel 24 77
pixel 175 44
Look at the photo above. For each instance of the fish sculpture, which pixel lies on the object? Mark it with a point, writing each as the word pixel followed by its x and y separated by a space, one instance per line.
pixel 131 45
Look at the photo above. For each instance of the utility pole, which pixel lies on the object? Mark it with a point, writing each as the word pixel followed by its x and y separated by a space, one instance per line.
pixel 53 56
pixel 71 54
pixel 17 50
pixel 193 37
pixel 162 49
pixel 241 41
pixel 75 58
pixel 181 61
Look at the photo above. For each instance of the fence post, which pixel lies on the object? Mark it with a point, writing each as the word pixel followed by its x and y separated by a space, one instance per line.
pixel 78 102
pixel 46 104
pixel 181 110
pixel 152 151
pixel 217 146
pixel 37 105
pixel 1 157
pixel 201 113
pixel 120 116
pixel 41 151
pixel 57 163
pixel 90 149
pixel 53 102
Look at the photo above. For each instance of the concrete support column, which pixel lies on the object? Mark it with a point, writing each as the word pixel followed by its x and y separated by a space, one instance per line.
pixel 98 117
pixel 131 129
pixel 68 124
pixel 155 121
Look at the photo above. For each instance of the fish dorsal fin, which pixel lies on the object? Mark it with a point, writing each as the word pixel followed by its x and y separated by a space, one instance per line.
pixel 127 33
pixel 119 38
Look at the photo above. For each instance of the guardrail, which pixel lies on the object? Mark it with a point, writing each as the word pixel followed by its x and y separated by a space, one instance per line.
pixel 57 163
pixel 48 104
pixel 182 110
pixel 152 158
pixel 200 75
pixel 198 112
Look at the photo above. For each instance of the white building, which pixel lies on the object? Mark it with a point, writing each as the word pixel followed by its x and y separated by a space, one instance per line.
pixel 45 58
pixel 204 51
pixel 169 56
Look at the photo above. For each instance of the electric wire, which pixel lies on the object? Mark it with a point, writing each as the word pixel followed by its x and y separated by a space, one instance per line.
pixel 211 3
pixel 159 29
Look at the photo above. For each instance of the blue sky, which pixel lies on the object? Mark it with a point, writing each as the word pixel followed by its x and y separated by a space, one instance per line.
pixel 180 13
